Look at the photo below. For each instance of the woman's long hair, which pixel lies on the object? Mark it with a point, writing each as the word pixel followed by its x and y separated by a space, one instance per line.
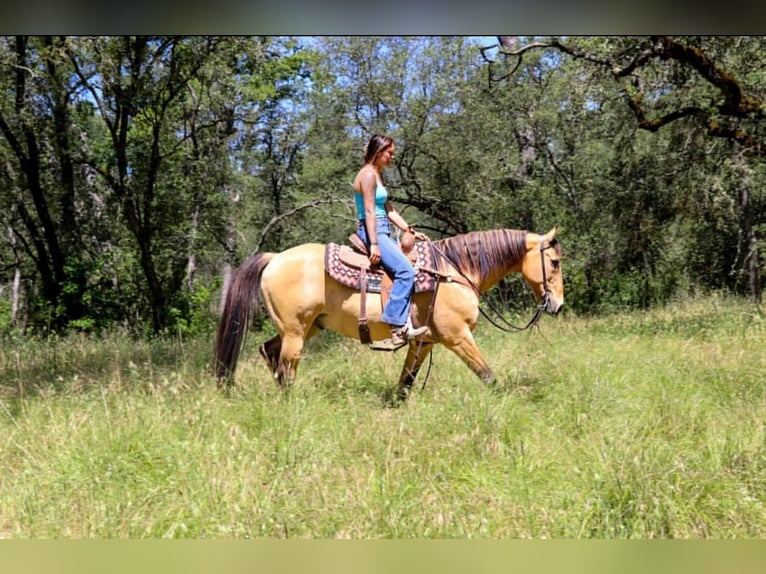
pixel 375 145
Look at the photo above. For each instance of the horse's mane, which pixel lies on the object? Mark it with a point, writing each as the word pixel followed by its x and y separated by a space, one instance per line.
pixel 483 253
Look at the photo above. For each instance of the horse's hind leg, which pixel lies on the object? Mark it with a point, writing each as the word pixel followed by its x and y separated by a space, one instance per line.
pixel 290 351
pixel 270 351
pixel 416 354
pixel 289 357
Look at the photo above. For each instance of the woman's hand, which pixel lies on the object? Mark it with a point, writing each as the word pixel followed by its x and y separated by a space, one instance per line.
pixel 374 254
pixel 419 235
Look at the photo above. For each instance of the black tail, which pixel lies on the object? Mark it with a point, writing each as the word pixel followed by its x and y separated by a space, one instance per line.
pixel 242 298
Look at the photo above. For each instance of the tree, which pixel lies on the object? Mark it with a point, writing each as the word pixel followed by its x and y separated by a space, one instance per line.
pixel 413 90
pixel 120 157
pixel 39 154
pixel 705 82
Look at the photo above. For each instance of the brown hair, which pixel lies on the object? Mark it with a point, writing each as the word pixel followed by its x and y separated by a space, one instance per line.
pixel 376 145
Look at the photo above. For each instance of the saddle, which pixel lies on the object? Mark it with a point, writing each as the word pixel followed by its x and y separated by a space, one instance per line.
pixel 350 266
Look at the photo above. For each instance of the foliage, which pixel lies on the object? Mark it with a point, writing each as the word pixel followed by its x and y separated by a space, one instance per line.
pixel 137 171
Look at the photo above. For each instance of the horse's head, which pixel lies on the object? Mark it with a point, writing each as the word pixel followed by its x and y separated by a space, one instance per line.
pixel 541 269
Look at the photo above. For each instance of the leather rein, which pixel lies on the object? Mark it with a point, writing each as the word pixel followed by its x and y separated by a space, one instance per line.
pixel 506 326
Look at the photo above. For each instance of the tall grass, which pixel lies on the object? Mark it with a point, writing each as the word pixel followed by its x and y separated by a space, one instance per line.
pixel 641 425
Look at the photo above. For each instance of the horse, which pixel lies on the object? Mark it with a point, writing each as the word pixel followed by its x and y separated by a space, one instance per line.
pixel 302 299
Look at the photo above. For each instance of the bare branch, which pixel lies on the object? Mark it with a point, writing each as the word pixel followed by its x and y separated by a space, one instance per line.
pixel 279 217
pixel 569 185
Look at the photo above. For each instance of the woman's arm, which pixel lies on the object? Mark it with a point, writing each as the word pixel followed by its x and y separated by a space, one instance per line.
pixel 396 218
pixel 367 184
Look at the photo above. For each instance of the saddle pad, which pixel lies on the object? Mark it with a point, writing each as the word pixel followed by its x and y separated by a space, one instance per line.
pixel 350 276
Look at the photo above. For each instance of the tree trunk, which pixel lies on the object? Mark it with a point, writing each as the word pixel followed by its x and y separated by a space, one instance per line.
pixel 16 298
pixel 231 244
pixel 16 290
pixel 226 274
pixel 752 256
pixel 191 265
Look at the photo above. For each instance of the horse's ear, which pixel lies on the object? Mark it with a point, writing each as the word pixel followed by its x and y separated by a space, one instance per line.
pixel 552 233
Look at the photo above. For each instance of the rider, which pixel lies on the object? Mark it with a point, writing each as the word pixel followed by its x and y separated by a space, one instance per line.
pixel 376 214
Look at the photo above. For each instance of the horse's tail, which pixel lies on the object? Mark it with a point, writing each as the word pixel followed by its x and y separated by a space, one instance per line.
pixel 242 298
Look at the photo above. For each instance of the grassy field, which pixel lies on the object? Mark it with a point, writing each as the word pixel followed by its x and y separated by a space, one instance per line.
pixel 636 425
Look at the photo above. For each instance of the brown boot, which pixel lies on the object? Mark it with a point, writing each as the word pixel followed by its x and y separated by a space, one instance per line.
pixel 400 336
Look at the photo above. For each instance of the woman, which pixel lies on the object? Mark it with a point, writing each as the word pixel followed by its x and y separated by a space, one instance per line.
pixel 376 214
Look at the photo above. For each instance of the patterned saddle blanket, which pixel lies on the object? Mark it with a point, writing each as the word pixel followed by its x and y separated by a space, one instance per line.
pixel 335 257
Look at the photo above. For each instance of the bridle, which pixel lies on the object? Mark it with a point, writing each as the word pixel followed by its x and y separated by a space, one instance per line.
pixel 545 297
pixel 507 326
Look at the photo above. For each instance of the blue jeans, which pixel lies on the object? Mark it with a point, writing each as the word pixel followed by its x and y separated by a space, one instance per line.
pixel 397 309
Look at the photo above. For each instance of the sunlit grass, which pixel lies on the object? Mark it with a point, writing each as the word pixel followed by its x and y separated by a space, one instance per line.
pixel 636 425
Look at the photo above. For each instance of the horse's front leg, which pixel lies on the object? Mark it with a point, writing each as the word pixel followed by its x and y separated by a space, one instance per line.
pixel 416 354
pixel 464 346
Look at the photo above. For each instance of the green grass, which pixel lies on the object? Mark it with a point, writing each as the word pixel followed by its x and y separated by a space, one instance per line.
pixel 637 425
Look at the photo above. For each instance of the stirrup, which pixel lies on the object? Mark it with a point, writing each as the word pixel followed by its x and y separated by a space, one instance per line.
pixel 387 345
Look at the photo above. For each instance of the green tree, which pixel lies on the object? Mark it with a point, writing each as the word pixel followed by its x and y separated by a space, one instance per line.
pixel 40 148
pixel 122 156
pixel 695 87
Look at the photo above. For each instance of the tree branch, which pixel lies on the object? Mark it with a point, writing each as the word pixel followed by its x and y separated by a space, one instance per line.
pixel 736 103
pixel 280 216
pixel 656 123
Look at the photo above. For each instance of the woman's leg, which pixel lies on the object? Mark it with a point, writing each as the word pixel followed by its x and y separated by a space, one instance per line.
pixel 397 308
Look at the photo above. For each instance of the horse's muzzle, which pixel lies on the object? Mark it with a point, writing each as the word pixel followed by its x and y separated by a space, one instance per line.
pixel 553 307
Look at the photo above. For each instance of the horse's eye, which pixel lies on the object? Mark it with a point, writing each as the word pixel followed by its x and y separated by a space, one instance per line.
pixel 555 263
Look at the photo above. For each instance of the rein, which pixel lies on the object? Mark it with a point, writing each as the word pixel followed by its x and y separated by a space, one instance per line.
pixel 507 327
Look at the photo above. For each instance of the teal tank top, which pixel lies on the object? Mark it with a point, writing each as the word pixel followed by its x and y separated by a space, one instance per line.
pixel 381 196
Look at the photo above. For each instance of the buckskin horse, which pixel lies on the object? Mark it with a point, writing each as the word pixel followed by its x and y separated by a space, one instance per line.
pixel 302 298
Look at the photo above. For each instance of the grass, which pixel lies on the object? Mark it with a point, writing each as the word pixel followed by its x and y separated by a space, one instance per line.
pixel 637 425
